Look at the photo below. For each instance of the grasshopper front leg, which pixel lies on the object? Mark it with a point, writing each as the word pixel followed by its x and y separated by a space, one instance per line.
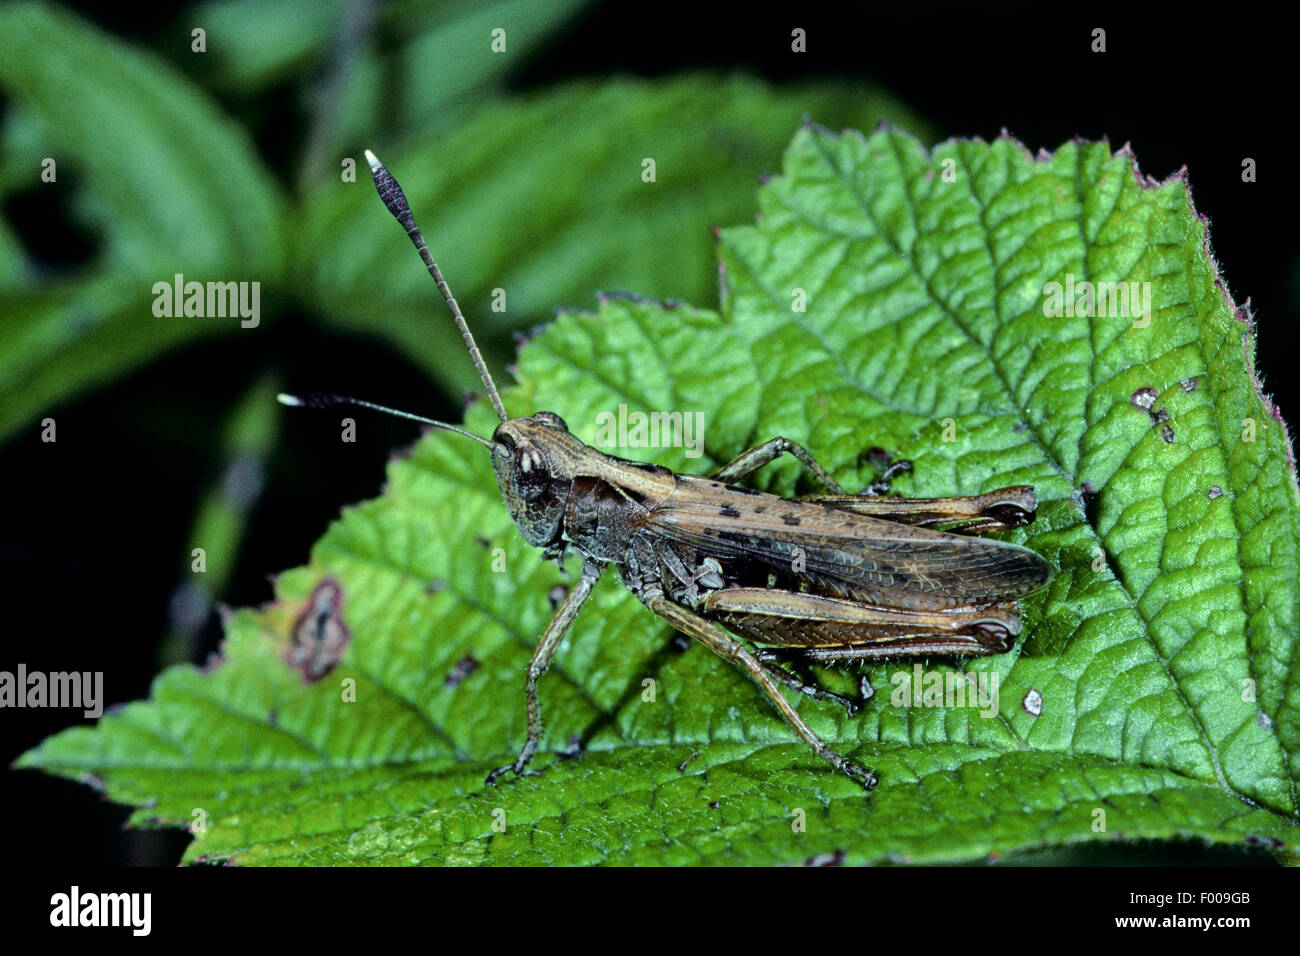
pixel 748 462
pixel 541 660
pixel 729 648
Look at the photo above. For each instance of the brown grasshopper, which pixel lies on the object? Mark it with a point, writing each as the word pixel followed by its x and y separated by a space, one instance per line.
pixel 819 578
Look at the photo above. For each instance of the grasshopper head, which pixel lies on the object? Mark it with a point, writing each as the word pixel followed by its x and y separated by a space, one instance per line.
pixel 531 459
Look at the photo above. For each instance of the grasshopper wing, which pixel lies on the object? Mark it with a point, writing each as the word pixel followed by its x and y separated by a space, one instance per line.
pixel 765 540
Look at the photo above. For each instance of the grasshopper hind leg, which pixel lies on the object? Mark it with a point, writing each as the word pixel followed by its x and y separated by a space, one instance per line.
pixel 776 667
pixel 751 460
pixel 732 649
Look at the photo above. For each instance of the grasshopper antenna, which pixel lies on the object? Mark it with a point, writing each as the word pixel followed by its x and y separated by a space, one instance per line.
pixel 324 400
pixel 395 200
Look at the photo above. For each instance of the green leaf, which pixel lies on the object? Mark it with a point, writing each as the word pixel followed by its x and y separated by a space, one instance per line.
pixel 1163 650
pixel 549 218
pixel 423 60
pixel 159 181
pixel 252 44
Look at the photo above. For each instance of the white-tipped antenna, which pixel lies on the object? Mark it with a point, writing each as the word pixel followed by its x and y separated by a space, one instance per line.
pixel 395 200
pixel 324 400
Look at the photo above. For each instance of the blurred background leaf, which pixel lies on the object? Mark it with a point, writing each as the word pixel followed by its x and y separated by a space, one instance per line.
pixel 153 183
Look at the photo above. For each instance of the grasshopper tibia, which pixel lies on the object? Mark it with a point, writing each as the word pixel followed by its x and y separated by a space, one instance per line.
pixel 542 657
pixel 730 649
pixel 809 689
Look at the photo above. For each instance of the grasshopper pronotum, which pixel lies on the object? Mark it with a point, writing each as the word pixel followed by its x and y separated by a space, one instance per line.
pixel 824 577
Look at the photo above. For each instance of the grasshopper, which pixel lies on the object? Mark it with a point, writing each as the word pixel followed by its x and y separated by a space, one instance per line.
pixel 819 578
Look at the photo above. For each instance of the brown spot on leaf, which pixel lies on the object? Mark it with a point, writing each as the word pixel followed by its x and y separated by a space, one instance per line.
pixel 464 667
pixel 319 634
pixel 1144 398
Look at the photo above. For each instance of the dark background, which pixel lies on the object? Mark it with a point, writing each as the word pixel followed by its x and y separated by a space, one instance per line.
pixel 89 573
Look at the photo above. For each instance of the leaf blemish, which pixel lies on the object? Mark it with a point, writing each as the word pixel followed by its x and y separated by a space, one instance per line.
pixel 319 634
pixel 466 666
pixel 1033 703
pixel 1144 398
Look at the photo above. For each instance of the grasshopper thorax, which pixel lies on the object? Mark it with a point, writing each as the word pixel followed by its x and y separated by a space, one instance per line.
pixel 532 458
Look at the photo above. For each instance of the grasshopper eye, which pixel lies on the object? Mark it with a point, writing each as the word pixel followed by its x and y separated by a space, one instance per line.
pixel 503 448
pixel 551 420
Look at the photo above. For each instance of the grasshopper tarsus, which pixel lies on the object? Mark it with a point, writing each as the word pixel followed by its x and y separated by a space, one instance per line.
pixel 807 688
pixel 516 768
pixel 826 577
pixel 881 485
pixel 866 777
pixel 519 767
